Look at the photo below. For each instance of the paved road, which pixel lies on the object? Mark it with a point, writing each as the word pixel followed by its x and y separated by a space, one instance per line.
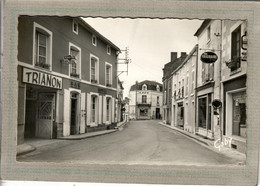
pixel 140 142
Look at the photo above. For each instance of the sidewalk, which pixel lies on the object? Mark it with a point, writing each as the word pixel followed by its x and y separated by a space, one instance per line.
pixel 31 145
pixel 229 152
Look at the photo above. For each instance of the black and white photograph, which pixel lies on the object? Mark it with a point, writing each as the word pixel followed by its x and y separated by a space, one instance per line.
pixel 124 93
pixel 121 90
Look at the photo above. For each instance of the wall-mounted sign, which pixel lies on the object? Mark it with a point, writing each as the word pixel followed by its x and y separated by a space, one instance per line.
pixel 41 79
pixel 75 84
pixel 142 92
pixel 208 57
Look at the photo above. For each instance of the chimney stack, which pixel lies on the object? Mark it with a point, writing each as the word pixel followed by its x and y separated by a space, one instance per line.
pixel 173 56
pixel 183 54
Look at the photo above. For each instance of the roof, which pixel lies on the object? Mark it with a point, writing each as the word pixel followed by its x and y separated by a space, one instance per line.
pixel 91 29
pixel 203 25
pixel 151 85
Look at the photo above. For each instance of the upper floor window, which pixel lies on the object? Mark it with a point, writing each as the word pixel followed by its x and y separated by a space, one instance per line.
pixel 235 48
pixel 75 27
pixel 94 69
pixel 94 40
pixel 75 65
pixel 158 88
pixel 42 47
pixel 108 75
pixel 187 85
pixel 208 33
pixel 144 99
pixel 108 50
pixel 158 99
pixel 144 87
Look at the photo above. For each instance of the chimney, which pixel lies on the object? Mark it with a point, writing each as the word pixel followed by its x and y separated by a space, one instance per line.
pixel 183 54
pixel 173 56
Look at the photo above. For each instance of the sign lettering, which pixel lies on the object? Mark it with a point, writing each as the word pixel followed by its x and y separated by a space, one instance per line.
pixel 208 57
pixel 41 79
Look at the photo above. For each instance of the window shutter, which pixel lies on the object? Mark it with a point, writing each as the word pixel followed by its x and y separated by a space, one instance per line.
pixel 66 113
pixel 113 110
pixel 100 110
pixel 88 108
pixel 83 113
pixel 104 109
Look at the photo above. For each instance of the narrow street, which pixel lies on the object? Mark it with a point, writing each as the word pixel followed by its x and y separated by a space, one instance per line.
pixel 139 142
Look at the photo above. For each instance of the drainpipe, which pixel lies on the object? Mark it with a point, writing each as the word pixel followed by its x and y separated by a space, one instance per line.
pixel 220 79
pixel 196 82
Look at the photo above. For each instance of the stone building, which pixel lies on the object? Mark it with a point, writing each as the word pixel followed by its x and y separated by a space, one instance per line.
pixel 145 100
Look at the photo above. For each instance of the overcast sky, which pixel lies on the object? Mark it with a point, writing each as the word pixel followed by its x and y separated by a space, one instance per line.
pixel 150 43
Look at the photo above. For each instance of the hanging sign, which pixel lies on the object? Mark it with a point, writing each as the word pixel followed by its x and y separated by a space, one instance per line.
pixel 41 79
pixel 208 57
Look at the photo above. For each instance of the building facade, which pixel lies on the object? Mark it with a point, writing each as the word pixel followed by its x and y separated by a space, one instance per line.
pixel 167 84
pixel 183 101
pixel 67 74
pixel 145 100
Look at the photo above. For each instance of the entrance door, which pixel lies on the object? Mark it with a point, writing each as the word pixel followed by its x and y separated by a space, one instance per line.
pixel 157 113
pixel 73 114
pixel 45 116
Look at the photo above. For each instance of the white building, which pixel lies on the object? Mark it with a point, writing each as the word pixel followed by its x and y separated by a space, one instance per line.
pixel 146 100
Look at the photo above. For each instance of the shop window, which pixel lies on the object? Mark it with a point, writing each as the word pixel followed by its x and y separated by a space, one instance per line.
pixel 75 27
pixel 108 75
pixel 144 99
pixel 74 66
pixel 94 70
pixel 235 48
pixel 143 112
pixel 239 115
pixel 202 111
pixel 94 40
pixel 42 47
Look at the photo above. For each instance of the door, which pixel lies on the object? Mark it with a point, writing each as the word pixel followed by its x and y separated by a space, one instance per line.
pixel 157 113
pixel 45 116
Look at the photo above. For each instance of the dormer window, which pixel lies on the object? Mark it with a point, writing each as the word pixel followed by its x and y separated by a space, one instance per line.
pixel 94 40
pixel 75 27
pixel 158 88
pixel 108 50
pixel 144 87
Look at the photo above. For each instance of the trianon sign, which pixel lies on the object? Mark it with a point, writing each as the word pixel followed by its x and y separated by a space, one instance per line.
pixel 41 79
pixel 208 57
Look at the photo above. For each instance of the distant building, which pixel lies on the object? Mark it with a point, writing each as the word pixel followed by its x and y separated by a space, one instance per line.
pixel 145 100
pixel 167 84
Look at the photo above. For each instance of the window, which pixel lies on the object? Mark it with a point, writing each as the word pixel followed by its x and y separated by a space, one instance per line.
pixel 75 65
pixel 158 88
pixel 158 98
pixel 204 112
pixel 93 108
pixel 144 99
pixel 94 69
pixel 208 33
pixel 108 50
pixel 94 40
pixel 143 112
pixel 75 27
pixel 108 109
pixel 144 87
pixel 42 47
pixel 235 48
pixel 108 75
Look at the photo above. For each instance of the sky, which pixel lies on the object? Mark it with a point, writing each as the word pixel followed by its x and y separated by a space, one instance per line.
pixel 150 43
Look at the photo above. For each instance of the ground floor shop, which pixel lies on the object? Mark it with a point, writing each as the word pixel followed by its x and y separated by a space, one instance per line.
pixel 50 106
pixel 234 124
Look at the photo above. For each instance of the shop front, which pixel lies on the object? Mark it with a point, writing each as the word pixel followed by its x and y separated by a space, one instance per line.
pixel 180 115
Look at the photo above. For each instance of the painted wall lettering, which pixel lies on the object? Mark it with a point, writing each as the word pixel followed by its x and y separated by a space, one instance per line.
pixel 41 79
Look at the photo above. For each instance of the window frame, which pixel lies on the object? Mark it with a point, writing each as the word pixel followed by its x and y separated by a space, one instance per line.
pixel 94 38
pixel 78 69
pixel 96 69
pixel 237 30
pixel 44 31
pixel 110 75
pixel 108 50
pixel 73 26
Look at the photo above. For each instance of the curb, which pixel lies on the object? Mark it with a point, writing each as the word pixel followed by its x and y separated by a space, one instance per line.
pixel 26 150
pixel 184 133
pixel 90 136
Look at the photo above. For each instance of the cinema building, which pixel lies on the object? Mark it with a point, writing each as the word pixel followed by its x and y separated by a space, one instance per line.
pixel 67 76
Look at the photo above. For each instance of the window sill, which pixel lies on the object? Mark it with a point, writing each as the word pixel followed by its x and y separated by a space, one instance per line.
pixel 43 68
pixel 74 76
pixel 235 71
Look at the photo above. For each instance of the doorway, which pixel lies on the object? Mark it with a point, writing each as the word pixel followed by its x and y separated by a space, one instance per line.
pixel 73 113
pixel 157 114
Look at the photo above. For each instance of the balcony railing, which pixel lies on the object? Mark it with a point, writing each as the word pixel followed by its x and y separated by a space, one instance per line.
pixel 43 65
pixel 233 63
pixel 74 75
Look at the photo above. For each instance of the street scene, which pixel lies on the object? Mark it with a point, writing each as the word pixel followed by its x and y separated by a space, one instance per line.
pixel 132 91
